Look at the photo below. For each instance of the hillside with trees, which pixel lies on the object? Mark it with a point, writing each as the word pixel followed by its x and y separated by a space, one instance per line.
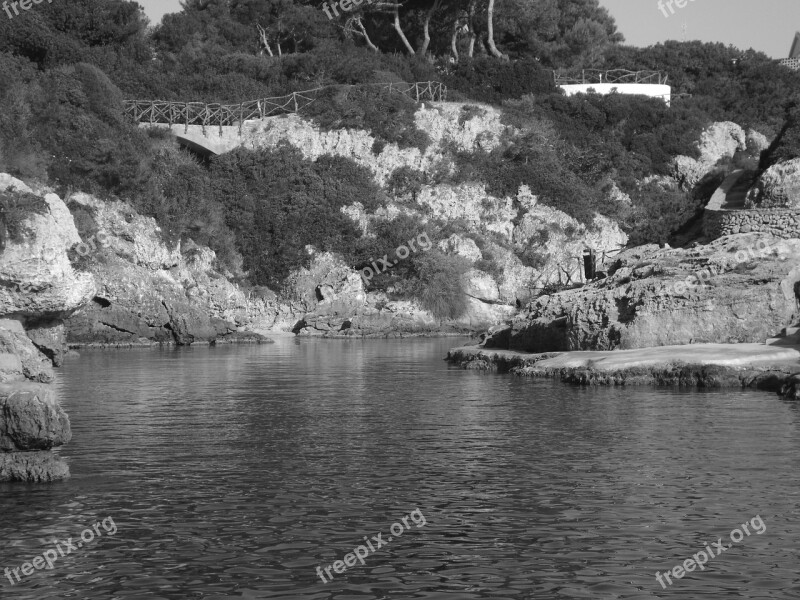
pixel 65 69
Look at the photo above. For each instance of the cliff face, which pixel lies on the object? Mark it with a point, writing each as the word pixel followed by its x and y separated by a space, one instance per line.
pixel 151 292
pixel 740 288
pixel 38 289
pixel 509 226
pixel 441 121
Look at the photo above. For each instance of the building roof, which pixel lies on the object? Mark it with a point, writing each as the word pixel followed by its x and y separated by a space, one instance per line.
pixel 795 51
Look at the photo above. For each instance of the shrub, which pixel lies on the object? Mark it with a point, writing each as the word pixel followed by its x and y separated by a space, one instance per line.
pixel 277 203
pixel 438 286
pixel 15 208
pixel 388 116
pixel 387 236
pixel 486 79
pixel 406 180
pixel 658 213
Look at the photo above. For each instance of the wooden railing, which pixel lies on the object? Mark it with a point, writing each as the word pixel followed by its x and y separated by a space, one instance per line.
pixel 613 76
pixel 220 115
pixel 567 272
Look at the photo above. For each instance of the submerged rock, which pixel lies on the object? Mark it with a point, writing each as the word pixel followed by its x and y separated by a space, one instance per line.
pixel 791 388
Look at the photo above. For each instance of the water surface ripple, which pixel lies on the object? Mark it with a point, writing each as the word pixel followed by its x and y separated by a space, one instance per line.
pixel 233 472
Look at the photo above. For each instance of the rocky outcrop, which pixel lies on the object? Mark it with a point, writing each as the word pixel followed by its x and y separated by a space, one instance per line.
pixel 736 289
pixel 442 122
pixel 719 142
pixel 32 418
pixel 38 288
pixel 332 302
pixel 778 187
pixel 36 277
pixel 510 226
pixel 151 292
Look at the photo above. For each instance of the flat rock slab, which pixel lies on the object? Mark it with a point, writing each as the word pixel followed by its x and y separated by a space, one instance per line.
pixel 725 355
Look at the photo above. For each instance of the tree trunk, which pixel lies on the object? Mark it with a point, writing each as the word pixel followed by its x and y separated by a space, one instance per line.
pixel 454 41
pixel 264 41
pixel 490 33
pixel 363 31
pixel 471 25
pixel 426 40
pixel 399 30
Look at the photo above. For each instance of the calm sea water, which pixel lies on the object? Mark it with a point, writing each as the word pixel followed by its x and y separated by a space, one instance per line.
pixel 234 472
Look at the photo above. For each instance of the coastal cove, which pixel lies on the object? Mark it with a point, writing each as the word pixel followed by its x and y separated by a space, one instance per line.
pixel 425 300
pixel 233 471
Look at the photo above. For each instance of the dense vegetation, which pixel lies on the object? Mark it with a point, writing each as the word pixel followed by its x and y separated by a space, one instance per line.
pixel 66 67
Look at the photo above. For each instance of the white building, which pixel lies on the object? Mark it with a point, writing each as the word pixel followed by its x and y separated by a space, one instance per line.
pixel 639 83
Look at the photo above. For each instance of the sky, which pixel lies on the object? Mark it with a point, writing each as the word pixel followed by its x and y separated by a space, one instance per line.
pixel 766 25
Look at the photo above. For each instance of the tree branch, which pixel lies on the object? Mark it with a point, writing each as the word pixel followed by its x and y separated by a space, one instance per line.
pixel 264 40
pixel 490 34
pixel 399 29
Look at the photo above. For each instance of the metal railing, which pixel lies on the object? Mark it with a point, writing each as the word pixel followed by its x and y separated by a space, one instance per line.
pixel 612 76
pixel 221 115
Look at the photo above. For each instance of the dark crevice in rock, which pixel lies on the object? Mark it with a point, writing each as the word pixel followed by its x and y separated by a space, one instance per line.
pixel 102 302
pixel 116 328
pixel 489 302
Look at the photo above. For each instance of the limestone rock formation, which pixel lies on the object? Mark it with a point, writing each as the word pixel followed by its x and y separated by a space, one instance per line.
pixel 718 142
pixel 36 276
pixel 38 288
pixel 740 288
pixel 778 186
pixel 152 293
pixel 32 418
pixel 442 122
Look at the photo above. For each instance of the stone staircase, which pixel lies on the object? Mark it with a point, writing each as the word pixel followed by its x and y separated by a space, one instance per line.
pixel 788 337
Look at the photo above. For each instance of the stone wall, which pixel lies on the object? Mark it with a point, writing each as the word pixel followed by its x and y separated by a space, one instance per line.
pixel 780 222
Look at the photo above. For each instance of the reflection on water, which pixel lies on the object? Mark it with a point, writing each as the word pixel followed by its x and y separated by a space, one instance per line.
pixel 233 472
